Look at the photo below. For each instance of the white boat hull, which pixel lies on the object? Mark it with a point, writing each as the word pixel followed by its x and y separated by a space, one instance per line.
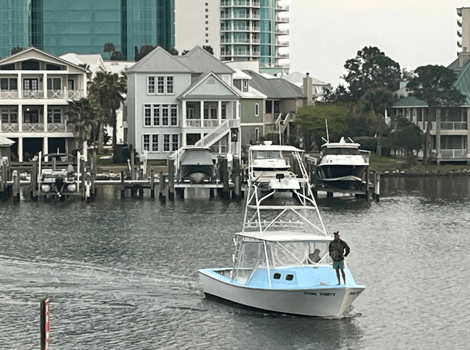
pixel 321 301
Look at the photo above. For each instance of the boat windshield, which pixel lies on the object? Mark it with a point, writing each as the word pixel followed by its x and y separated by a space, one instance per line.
pixel 341 151
pixel 280 254
pixel 267 155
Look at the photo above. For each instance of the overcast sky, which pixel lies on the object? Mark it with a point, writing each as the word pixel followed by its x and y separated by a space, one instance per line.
pixel 326 33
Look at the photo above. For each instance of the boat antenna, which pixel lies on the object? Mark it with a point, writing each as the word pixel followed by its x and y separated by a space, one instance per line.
pixel 327 136
pixel 350 139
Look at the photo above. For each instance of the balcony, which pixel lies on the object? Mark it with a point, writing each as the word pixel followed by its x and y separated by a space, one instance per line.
pixel 453 153
pixel 39 94
pixel 33 127
pixel 453 125
pixel 8 127
pixel 282 8
pixel 198 123
pixel 282 20
pixel 282 31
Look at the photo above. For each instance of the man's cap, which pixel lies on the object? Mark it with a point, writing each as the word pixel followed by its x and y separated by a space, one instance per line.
pixel 336 233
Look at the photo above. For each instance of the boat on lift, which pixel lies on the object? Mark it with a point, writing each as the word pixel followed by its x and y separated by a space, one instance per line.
pixel 281 261
pixel 342 165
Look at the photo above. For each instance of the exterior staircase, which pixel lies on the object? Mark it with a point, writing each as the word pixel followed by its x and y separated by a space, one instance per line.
pixel 222 130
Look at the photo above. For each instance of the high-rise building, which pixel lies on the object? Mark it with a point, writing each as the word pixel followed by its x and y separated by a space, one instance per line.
pixel 237 30
pixel 62 26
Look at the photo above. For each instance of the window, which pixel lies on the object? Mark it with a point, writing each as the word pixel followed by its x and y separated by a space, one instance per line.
pixel 256 109
pixel 160 85
pixel 166 143
pixel 53 115
pixel 160 115
pixel 175 143
pixel 164 85
pixel 169 85
pixel 53 84
pixel 150 143
pixel 245 84
pixel 8 84
pixel 151 85
pixel 146 142
pixel 9 115
pixel 156 115
pixel 269 106
pixel 174 115
pixel 155 143
pixel 165 115
pixel 256 134
pixel 147 115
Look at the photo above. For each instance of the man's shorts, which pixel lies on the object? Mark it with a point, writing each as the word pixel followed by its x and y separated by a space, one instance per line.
pixel 338 265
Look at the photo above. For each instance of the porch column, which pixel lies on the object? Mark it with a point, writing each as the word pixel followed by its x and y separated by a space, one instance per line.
pixel 183 114
pixel 219 111
pixel 183 141
pixel 20 149
pixel 45 147
pixel 20 117
pixel 44 84
pixel 438 135
pixel 45 117
pixel 237 110
pixel 20 85
pixel 201 107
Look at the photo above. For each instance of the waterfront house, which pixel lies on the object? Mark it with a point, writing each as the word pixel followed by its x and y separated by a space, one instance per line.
pixel 449 129
pixel 179 101
pixel 34 91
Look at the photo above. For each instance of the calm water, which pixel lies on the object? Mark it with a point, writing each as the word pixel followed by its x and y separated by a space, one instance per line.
pixel 123 274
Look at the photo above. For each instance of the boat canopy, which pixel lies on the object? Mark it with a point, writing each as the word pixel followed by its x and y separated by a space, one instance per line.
pixel 196 160
pixel 284 236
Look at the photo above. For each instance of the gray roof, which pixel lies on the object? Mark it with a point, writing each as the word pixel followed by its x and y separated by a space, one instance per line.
pixel 197 60
pixel 201 61
pixel 274 88
pixel 159 60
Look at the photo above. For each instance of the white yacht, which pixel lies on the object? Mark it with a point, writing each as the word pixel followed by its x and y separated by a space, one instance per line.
pixel 281 262
pixel 342 164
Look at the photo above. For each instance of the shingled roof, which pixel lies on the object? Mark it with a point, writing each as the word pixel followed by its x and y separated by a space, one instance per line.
pixel 274 88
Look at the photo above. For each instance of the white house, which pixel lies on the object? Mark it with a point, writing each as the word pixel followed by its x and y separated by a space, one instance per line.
pixel 34 89
pixel 178 101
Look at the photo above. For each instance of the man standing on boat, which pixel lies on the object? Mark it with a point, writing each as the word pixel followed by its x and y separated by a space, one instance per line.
pixel 338 251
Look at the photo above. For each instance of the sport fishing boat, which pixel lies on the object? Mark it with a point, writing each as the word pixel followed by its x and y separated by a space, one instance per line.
pixel 281 262
pixel 342 165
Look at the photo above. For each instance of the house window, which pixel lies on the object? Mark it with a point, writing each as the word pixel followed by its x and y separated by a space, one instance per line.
pixel 256 134
pixel 7 84
pixel 160 85
pixel 9 115
pixel 245 84
pixel 147 115
pixel 257 109
pixel 166 143
pixel 269 106
pixel 155 143
pixel 277 107
pixel 175 143
pixel 156 115
pixel 165 115
pixel 174 115
pixel 146 143
pixel 53 84
pixel 169 85
pixel 53 116
pixel 151 85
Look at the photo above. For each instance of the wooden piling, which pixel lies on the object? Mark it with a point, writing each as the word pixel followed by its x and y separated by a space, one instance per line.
pixel 367 185
pixel 16 187
pixel 152 184
pixel 34 180
pixel 236 177
pixel 171 179
pixel 123 188
pixel 225 178
pixel 162 192
pixel 2 182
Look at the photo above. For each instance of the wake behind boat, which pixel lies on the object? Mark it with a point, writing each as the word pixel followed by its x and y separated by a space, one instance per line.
pixel 281 261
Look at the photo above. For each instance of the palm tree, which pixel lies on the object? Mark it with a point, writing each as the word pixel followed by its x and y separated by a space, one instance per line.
pixel 107 91
pixel 82 116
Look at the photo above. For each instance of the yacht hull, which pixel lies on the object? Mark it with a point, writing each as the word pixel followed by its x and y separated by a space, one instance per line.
pixel 320 300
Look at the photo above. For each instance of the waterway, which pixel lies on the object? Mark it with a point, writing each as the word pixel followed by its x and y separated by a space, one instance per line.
pixel 122 274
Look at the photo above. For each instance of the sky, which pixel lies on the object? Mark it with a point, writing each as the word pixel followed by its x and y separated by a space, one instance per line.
pixel 324 34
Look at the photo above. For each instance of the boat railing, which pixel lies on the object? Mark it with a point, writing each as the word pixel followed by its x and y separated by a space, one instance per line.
pixel 277 224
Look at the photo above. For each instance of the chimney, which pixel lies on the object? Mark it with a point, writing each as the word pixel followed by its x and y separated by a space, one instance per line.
pixel 308 89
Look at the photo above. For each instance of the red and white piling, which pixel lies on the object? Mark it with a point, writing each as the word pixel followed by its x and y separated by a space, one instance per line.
pixel 45 328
